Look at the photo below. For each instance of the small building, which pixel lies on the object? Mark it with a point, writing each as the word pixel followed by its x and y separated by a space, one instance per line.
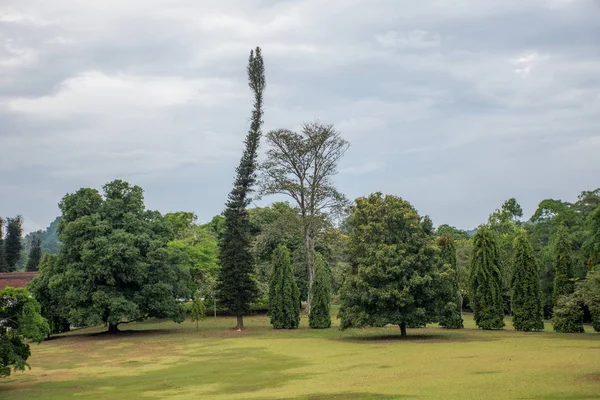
pixel 16 279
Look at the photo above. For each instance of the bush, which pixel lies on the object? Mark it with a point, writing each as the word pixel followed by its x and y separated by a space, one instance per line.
pixel 568 315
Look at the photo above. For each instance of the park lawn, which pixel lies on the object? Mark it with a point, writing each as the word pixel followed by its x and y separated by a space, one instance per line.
pixel 166 360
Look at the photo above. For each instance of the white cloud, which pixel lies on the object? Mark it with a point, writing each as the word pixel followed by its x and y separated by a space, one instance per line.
pixel 416 39
pixel 96 93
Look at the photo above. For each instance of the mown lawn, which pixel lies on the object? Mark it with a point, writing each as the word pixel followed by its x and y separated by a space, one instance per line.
pixel 166 360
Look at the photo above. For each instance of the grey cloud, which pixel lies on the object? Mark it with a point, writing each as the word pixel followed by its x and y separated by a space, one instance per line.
pixel 454 106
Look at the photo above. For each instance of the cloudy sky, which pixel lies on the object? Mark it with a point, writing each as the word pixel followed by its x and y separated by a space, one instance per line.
pixel 455 106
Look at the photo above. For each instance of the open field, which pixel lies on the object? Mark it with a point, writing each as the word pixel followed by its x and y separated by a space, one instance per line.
pixel 166 360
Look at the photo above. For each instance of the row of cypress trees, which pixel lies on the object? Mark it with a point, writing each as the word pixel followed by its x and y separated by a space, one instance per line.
pixel 284 294
pixel 485 281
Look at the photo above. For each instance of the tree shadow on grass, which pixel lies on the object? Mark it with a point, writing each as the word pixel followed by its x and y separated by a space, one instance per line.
pixel 351 396
pixel 418 337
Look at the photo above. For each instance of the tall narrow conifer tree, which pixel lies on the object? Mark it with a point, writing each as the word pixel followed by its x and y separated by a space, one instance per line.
pixel 284 295
pixel 13 242
pixel 451 317
pixel 485 281
pixel 563 264
pixel 237 288
pixel 3 264
pixel 526 301
pixel 319 317
pixel 35 252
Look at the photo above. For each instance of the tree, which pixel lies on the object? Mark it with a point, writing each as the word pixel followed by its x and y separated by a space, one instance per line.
pixel 451 231
pixel 49 290
pixel 319 317
pixel 512 209
pixel 451 316
pixel 13 243
pixel 301 166
pixel 394 278
pixel 237 289
pixel 485 281
pixel 563 264
pixel 526 302
pixel 35 252
pixel 198 310
pixel 284 295
pixel 3 264
pixel 568 315
pixel 118 267
pixel 19 319
pixel 588 291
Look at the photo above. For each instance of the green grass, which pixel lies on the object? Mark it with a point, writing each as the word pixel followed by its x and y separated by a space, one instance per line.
pixel 165 360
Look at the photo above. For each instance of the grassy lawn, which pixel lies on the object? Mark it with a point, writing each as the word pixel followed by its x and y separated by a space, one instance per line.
pixel 166 360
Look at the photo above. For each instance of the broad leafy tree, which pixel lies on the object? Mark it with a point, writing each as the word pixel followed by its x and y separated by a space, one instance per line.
pixel 485 281
pixel 118 267
pixel 19 319
pixel 35 252
pixel 563 263
pixel 451 231
pixel 302 166
pixel 237 288
pixel 49 289
pixel 319 317
pixel 284 295
pixel 588 291
pixel 13 242
pixel 526 299
pixel 394 266
pixel 451 315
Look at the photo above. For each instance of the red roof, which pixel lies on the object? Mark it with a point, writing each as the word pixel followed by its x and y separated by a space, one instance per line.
pixel 16 279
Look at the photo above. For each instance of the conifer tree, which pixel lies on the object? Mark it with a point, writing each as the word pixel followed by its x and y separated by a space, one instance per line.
pixel 13 243
pixel 3 264
pixel 319 317
pixel 563 264
pixel 526 301
pixel 568 315
pixel 35 253
pixel 284 295
pixel 485 281
pixel 451 317
pixel 237 288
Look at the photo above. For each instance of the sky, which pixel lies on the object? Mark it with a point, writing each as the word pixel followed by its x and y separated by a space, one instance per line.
pixel 454 106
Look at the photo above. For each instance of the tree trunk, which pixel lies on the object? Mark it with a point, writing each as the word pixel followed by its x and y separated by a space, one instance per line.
pixel 403 329
pixel 240 323
pixel 113 328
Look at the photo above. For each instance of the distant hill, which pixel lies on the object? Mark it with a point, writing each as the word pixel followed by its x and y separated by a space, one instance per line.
pixel 50 242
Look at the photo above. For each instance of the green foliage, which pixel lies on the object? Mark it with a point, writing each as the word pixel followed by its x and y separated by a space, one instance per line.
pixel 284 295
pixel 319 317
pixel 394 266
pixel 3 264
pixel 19 319
pixel 526 302
pixel 485 281
pixel 49 289
pixel 563 264
pixel 182 222
pixel 588 291
pixel 13 242
pixel 35 252
pixel 568 315
pixel 198 310
pixel 592 244
pixel 237 288
pixel 451 231
pixel 117 266
pixel 450 317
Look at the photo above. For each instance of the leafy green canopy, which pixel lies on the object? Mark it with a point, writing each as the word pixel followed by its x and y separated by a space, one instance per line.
pixel 568 315
pixel 319 317
pixel 19 319
pixel 451 317
pixel 49 289
pixel 237 288
pixel 526 302
pixel 563 263
pixel 117 266
pixel 588 291
pixel 393 280
pixel 284 295
pixel 485 281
